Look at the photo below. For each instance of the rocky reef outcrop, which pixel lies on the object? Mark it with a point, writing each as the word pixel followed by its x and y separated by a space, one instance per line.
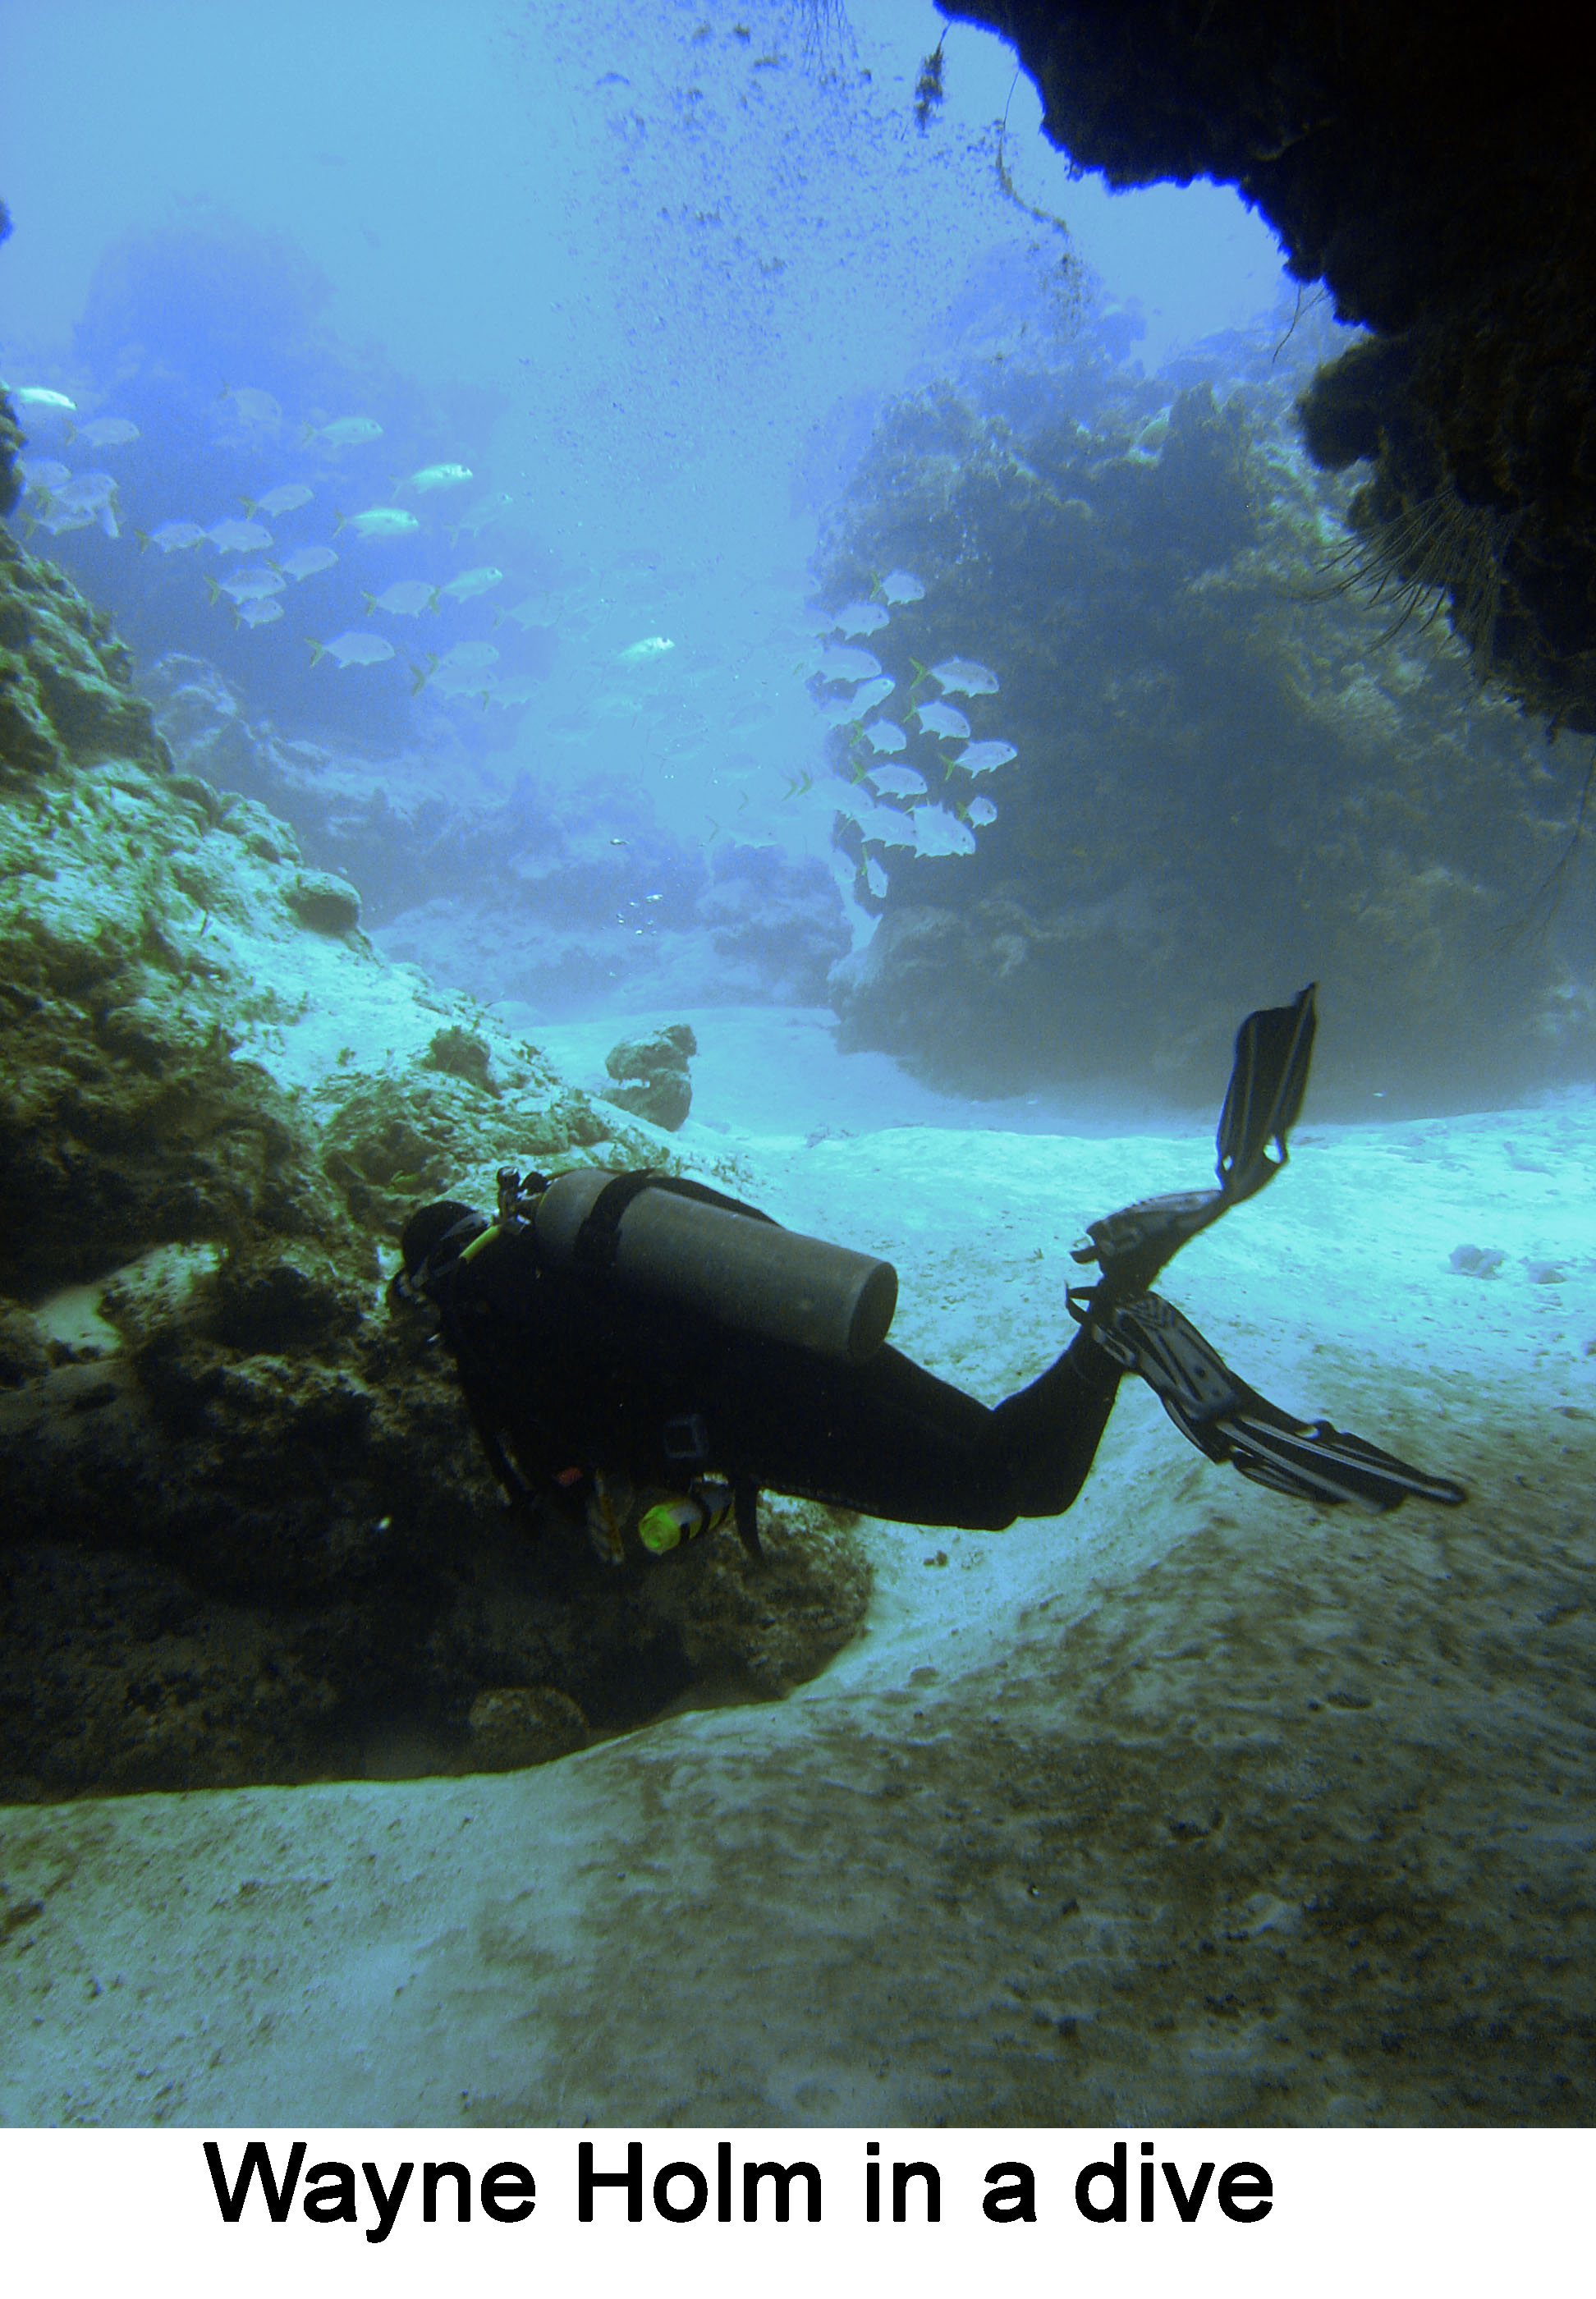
pixel 1436 170
pixel 245 1533
pixel 1210 771
pixel 11 447
pixel 554 897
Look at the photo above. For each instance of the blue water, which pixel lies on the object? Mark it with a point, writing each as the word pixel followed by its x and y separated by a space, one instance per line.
pixel 648 275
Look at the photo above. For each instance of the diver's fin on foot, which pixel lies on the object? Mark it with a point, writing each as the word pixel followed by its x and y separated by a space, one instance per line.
pixel 1228 1421
pixel 1319 1463
pixel 1133 1245
pixel 1264 1099
pixel 1269 1077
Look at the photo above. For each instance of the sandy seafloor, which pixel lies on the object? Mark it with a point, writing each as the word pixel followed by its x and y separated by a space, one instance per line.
pixel 1196 1806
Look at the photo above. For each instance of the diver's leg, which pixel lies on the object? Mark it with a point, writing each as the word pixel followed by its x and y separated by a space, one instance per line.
pixel 892 1440
pixel 1045 1436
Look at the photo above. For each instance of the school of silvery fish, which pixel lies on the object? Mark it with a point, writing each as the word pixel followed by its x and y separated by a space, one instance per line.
pixel 892 805
pixel 60 500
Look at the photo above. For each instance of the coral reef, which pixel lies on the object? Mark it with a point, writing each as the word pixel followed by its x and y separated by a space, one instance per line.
pixel 11 443
pixel 1231 773
pixel 550 897
pixel 246 1536
pixel 1437 176
pixel 651 1075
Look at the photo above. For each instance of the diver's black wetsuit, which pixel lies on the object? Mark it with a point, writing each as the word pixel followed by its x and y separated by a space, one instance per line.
pixel 565 1374
pixel 580 1377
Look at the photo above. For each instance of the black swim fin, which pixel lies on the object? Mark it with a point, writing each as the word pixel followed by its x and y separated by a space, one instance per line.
pixel 1269 1077
pixel 1223 1417
pixel 1264 1099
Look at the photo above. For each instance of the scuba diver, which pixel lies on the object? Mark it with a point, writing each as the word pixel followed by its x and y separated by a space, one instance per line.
pixel 641 1354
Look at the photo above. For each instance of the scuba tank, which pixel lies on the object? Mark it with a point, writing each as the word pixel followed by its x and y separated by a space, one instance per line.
pixel 677 1241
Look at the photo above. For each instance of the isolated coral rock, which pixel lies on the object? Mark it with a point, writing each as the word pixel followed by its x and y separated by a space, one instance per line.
pixel 461 1053
pixel 657 1085
pixel 325 904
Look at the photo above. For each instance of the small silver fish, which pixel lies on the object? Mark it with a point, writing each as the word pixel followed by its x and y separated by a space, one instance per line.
pixel 980 810
pixel 107 431
pixel 435 475
pixel 873 691
pixel 35 394
pixel 938 832
pixel 346 431
pixel 463 682
pixel 981 757
pixel 473 654
pixel 473 583
pixel 256 411
pixel 311 558
pixel 486 512
pixel 645 651
pixel 252 583
pixel 860 617
pixel 41 473
pixel 942 719
pixel 515 693
pixel 886 824
pixel 532 615
pixel 403 599
pixel 901 588
pixel 351 647
pixel 173 534
pixel 898 781
pixel 280 499
pixel 883 736
pixel 841 664
pixel 876 878
pixel 256 612
pixel 86 492
pixel 958 675
pixel 239 535
pixel 382 520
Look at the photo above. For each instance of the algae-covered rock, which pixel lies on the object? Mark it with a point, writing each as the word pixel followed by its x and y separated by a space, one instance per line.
pixel 766 1627
pixel 65 684
pixel 11 443
pixel 249 1535
pixel 325 904
pixel 24 1355
pixel 653 1075
pixel 518 1725
pixel 282 1294
pixel 462 1053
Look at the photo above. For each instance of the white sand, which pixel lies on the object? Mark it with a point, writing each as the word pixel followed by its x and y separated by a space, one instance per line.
pixel 1197 1806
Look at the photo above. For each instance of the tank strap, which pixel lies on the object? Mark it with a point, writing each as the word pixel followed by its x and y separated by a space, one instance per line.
pixel 597 1241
